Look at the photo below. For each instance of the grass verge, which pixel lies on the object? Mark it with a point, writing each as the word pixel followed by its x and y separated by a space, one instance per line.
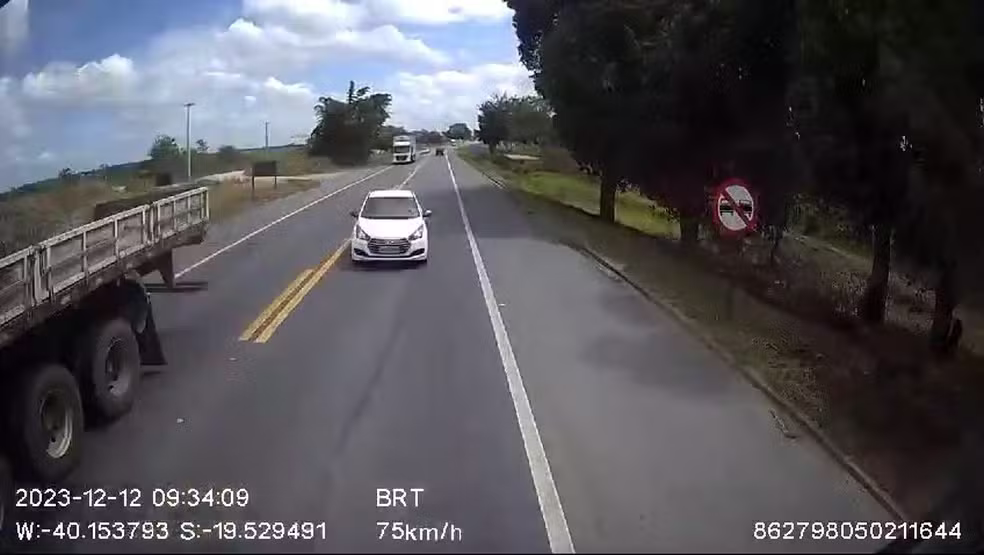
pixel 909 433
pixel 230 198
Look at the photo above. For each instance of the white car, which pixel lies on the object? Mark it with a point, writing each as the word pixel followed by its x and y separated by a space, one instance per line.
pixel 390 226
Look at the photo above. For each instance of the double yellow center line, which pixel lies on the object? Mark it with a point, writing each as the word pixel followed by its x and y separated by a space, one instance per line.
pixel 263 328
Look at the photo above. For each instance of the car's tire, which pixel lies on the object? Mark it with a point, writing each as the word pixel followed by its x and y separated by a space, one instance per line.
pixel 46 422
pixel 110 370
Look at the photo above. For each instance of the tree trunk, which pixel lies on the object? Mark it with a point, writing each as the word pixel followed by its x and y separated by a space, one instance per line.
pixel 942 340
pixel 871 308
pixel 689 231
pixel 774 251
pixel 492 149
pixel 606 201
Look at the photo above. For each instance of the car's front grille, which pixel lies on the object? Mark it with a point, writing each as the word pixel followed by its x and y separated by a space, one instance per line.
pixel 389 247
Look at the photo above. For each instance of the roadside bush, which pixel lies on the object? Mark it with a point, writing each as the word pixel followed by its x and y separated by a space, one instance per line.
pixel 557 159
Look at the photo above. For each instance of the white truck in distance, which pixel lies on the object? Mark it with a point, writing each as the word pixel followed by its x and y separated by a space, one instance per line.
pixel 404 149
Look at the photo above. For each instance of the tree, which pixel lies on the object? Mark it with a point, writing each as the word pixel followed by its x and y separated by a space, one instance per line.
pixel 530 120
pixel 939 86
pixel 459 131
pixel 201 147
pixel 164 149
pixel 384 140
pixel 347 131
pixel 430 137
pixel 658 93
pixel 228 153
pixel 493 121
pixel 890 107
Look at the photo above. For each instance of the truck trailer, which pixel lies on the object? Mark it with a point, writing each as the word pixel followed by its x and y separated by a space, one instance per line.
pixel 76 325
pixel 404 149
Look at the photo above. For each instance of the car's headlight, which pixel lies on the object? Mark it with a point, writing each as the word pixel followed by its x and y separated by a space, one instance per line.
pixel 417 234
pixel 361 235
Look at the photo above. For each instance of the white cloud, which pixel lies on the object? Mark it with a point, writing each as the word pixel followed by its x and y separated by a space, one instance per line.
pixel 439 12
pixel 13 26
pixel 110 80
pixel 241 74
pixel 434 100
pixel 319 15
pixel 13 121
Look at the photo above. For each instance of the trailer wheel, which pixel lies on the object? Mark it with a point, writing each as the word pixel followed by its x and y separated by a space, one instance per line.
pixel 110 369
pixel 47 422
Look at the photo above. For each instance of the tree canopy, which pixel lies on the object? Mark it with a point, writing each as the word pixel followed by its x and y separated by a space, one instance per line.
pixel 346 131
pixel 516 119
pixel 493 121
pixel 164 148
pixel 870 106
pixel 459 131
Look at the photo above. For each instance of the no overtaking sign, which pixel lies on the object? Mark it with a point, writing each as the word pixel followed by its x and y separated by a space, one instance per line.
pixel 734 207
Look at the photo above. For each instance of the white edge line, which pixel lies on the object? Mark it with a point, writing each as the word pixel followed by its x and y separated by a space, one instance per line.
pixel 256 232
pixel 551 508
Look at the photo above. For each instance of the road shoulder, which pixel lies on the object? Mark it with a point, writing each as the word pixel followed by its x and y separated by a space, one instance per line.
pixel 635 410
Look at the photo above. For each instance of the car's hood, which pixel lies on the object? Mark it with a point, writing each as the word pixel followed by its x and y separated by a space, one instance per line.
pixel 390 229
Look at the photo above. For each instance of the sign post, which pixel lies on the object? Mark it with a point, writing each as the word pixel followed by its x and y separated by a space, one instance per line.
pixel 264 169
pixel 735 212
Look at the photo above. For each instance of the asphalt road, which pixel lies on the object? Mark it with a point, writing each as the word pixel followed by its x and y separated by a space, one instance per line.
pixel 430 377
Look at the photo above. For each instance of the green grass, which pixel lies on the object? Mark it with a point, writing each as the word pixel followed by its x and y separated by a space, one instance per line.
pixel 581 191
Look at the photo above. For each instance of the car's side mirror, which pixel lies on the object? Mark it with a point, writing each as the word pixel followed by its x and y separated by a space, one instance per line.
pixel 427 213
pixel 354 213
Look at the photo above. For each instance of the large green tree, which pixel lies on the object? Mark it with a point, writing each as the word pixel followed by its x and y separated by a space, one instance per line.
pixel 530 120
pixel 658 92
pixel 164 148
pixel 347 130
pixel 888 100
pixel 459 131
pixel 493 121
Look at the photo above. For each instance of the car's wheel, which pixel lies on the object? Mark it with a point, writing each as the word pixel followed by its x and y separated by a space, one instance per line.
pixel 47 422
pixel 110 369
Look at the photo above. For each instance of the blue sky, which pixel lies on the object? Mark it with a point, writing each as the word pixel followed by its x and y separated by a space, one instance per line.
pixel 89 82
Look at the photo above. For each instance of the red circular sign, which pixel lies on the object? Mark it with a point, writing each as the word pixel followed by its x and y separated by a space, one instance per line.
pixel 734 207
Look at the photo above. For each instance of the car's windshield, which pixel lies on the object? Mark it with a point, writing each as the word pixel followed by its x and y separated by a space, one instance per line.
pixel 390 208
pixel 402 149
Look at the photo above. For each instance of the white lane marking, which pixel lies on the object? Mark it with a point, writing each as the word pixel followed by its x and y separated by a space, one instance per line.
pixel 551 509
pixel 409 177
pixel 256 232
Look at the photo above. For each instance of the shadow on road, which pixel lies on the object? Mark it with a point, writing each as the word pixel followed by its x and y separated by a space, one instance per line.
pixel 348 265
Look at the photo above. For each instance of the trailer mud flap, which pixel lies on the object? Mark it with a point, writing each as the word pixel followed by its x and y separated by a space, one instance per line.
pixel 151 350
pixel 165 265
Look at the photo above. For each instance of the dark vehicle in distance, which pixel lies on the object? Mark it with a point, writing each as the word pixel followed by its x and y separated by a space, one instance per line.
pixel 439 151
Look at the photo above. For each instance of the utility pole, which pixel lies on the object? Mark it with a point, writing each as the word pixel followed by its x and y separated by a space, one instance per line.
pixel 266 146
pixel 188 135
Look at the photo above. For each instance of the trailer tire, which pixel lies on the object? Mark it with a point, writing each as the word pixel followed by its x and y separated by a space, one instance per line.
pixel 110 369
pixel 47 423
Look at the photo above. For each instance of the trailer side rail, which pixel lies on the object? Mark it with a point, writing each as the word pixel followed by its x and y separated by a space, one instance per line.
pixel 36 275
